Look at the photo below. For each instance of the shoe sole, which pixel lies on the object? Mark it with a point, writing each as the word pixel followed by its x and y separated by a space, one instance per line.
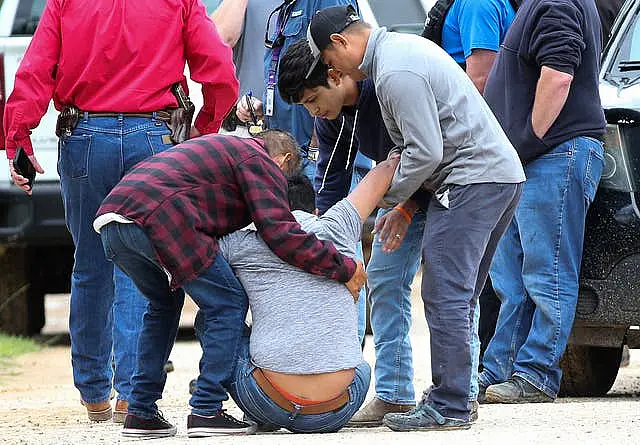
pixel 119 416
pixel 433 428
pixel 100 416
pixel 208 432
pixel 497 398
pixel 367 424
pixel 130 432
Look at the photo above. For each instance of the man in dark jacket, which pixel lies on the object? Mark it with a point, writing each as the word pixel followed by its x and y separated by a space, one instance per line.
pixel 544 91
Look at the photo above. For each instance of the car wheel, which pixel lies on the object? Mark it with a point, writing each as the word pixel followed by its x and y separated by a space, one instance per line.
pixel 589 371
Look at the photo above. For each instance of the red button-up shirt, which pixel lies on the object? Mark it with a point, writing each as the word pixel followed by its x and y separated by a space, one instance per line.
pixel 119 56
pixel 189 195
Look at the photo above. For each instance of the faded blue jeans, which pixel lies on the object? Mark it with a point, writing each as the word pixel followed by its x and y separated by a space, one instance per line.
pixel 106 308
pixel 222 303
pixel 536 268
pixel 260 408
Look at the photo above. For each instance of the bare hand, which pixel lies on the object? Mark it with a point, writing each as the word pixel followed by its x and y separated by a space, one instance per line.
pixel 357 281
pixel 391 228
pixel 20 180
pixel 242 110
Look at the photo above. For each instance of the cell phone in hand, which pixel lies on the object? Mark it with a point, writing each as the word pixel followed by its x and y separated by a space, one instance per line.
pixel 23 166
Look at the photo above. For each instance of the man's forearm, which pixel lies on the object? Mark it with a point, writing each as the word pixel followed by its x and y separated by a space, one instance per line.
pixel 551 95
pixel 479 65
pixel 228 18
pixel 372 188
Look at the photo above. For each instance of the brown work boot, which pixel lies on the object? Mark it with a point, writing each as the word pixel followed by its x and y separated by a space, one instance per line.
pixel 120 411
pixel 98 412
pixel 372 413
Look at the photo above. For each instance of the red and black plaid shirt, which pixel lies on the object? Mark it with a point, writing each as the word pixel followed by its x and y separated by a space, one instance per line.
pixel 188 196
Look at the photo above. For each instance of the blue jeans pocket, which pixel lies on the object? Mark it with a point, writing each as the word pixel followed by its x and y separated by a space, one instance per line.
pixel 74 156
pixel 159 139
pixel 593 171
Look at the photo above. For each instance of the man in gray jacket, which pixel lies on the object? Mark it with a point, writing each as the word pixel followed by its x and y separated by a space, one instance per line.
pixel 452 145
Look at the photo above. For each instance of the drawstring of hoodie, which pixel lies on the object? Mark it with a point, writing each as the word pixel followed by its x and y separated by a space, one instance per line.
pixel 335 147
pixel 333 152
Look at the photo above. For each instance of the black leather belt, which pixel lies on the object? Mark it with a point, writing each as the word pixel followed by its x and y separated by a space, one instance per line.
pixel 162 115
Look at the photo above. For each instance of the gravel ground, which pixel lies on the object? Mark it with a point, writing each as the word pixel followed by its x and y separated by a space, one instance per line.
pixel 39 405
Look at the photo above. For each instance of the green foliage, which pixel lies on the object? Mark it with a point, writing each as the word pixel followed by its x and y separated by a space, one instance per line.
pixel 11 346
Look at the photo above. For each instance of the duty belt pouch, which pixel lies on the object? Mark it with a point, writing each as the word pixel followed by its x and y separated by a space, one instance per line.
pixel 67 121
pixel 181 117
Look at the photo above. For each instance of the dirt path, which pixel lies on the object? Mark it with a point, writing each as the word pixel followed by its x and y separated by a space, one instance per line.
pixel 39 405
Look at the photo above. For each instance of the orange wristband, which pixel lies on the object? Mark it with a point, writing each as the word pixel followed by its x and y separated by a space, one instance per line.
pixel 404 213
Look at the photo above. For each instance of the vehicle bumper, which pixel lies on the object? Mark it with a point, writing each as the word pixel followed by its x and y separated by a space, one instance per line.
pixel 33 220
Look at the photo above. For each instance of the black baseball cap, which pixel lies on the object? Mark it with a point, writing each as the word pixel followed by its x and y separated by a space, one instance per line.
pixel 325 22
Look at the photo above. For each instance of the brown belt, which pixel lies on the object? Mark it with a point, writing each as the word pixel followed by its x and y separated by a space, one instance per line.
pixel 162 115
pixel 287 405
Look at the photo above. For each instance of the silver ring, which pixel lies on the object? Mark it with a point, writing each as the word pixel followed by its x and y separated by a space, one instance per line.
pixel 398 235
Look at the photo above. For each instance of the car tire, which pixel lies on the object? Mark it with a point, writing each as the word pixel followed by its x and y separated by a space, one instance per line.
pixel 588 371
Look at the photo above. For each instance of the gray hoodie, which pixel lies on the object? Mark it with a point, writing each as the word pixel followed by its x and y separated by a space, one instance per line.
pixel 432 110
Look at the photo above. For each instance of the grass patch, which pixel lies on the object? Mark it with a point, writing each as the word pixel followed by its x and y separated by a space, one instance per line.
pixel 11 346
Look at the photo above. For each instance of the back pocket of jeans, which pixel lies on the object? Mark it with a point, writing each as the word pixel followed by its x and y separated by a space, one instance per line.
pixel 159 140
pixel 74 156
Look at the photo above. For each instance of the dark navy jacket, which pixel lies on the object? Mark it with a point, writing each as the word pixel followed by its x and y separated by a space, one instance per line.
pixel 563 35
pixel 338 144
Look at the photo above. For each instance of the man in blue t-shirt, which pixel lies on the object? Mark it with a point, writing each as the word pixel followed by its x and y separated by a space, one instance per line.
pixel 472 33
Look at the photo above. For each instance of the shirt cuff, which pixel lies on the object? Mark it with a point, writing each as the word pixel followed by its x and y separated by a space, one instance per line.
pixel 12 147
pixel 349 268
pixel 206 123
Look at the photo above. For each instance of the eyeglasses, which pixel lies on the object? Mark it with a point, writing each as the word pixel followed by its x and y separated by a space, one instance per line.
pixel 284 12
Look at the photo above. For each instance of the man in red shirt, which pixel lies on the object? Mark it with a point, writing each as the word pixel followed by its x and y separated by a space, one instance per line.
pixel 115 60
pixel 163 220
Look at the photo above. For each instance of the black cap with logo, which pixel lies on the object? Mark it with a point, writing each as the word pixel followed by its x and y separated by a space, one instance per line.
pixel 325 22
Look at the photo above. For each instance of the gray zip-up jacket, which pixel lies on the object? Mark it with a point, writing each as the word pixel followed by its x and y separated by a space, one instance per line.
pixel 432 110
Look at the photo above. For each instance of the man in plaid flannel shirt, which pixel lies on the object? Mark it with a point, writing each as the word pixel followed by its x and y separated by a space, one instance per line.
pixel 164 219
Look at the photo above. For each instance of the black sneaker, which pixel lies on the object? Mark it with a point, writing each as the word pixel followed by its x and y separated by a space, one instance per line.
pixel 221 423
pixel 157 426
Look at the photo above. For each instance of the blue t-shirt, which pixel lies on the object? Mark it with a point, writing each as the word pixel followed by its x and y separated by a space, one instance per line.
pixel 294 118
pixel 475 24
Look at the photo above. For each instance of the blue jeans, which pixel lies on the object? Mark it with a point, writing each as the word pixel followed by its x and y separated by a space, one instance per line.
pixel 223 305
pixel 536 267
pixel 390 278
pixel 106 308
pixel 260 408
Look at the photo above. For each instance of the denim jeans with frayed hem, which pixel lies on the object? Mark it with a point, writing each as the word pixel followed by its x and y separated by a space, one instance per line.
pixel 222 304
pixel 106 308
pixel 536 267
pixel 389 279
pixel 260 408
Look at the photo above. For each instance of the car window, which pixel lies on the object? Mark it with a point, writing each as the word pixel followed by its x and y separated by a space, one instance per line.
pixel 398 12
pixel 627 52
pixel 27 17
